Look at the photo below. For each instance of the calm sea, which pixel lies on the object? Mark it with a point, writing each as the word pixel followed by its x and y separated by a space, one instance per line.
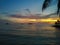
pixel 29 34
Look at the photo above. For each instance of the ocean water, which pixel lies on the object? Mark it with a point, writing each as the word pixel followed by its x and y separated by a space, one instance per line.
pixel 29 34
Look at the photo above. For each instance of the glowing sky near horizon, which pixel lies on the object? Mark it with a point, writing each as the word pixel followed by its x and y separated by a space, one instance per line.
pixel 18 6
pixel 30 20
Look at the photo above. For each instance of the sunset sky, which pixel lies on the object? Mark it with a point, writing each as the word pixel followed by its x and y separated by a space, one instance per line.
pixel 19 6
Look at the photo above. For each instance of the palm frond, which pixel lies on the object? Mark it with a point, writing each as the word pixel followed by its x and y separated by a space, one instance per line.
pixel 58 6
pixel 46 4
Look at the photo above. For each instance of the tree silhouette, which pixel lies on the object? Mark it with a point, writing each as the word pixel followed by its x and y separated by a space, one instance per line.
pixel 47 4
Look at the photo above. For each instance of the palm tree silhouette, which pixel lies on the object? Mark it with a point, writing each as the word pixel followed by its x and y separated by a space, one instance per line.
pixel 47 4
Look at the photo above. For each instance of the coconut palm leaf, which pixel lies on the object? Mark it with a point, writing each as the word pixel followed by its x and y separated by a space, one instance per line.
pixel 58 6
pixel 46 4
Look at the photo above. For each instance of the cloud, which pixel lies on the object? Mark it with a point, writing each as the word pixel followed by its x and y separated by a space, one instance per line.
pixel 50 15
pixel 4 13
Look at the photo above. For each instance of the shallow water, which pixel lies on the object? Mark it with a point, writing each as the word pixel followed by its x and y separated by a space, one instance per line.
pixel 29 34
